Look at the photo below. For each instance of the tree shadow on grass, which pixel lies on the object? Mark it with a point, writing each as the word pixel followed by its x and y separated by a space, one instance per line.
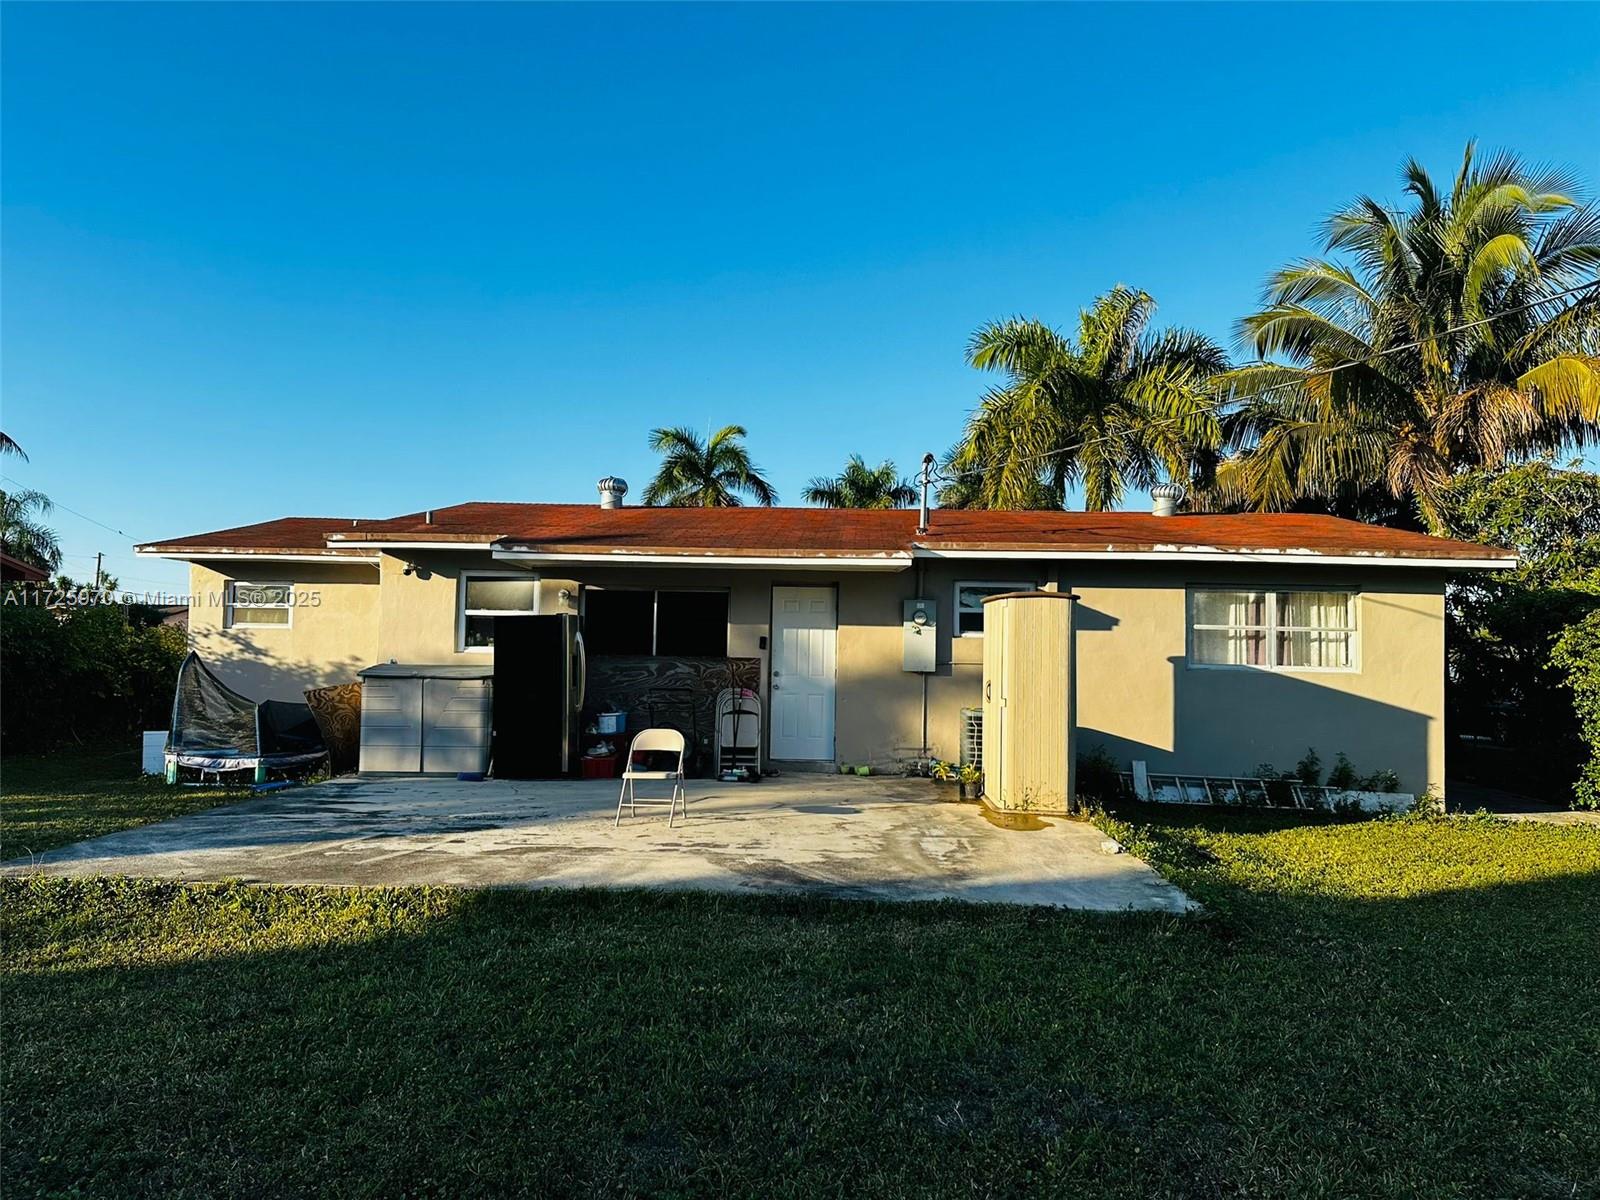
pixel 232 1040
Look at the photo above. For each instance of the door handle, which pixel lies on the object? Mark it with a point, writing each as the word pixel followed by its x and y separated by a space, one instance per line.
pixel 583 669
pixel 988 690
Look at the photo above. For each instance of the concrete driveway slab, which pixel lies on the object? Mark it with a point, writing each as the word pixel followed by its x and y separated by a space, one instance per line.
pixel 890 839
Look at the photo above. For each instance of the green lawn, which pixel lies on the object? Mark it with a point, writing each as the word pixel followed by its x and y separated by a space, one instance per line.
pixel 1400 1008
pixel 51 800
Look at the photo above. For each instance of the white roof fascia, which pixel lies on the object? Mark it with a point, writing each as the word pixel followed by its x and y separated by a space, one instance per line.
pixel 362 545
pixel 372 560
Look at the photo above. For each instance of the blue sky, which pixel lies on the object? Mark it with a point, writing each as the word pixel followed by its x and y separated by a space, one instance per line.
pixel 320 260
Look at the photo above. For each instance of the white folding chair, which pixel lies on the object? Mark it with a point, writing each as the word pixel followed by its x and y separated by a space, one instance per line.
pixel 661 741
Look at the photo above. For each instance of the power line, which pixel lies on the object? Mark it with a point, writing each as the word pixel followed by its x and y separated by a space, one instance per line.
pixel 74 512
pixel 1298 381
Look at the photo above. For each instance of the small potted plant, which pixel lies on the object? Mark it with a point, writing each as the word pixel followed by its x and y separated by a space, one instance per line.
pixel 971 779
pixel 944 772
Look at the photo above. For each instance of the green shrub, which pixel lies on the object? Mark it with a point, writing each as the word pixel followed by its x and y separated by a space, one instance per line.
pixel 1309 769
pixel 1577 657
pixel 84 672
pixel 1099 779
pixel 1345 777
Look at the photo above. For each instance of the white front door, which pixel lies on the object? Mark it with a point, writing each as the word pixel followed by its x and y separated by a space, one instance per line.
pixel 804 626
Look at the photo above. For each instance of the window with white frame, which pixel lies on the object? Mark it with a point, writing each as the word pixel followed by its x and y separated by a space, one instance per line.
pixel 1273 630
pixel 487 596
pixel 969 604
pixel 259 604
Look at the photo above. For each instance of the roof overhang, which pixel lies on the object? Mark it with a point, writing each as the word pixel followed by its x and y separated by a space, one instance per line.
pixel 370 553
pixel 1210 554
pixel 299 556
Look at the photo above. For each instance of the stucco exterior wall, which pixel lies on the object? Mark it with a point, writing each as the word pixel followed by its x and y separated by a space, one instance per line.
pixel 1136 694
pixel 1139 698
pixel 331 636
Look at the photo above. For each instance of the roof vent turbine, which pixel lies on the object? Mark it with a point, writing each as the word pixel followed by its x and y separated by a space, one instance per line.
pixel 612 490
pixel 1165 498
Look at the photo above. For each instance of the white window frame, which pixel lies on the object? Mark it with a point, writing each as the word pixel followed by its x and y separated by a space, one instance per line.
pixel 229 604
pixel 999 586
pixel 1272 629
pixel 461 606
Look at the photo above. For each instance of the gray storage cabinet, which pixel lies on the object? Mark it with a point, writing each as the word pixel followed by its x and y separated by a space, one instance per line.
pixel 426 720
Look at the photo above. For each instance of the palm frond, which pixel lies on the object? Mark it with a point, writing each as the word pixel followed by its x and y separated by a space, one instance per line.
pixel 1566 387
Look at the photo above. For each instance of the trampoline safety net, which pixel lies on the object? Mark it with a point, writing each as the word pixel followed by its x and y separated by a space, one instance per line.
pixel 216 728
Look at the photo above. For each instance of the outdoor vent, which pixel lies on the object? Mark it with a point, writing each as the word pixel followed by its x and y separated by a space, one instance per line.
pixel 972 736
pixel 1164 499
pixel 612 490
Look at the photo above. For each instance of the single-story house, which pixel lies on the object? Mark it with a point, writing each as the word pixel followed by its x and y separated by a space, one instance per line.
pixel 1205 644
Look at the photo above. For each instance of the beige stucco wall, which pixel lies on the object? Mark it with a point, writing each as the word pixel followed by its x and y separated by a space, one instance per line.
pixel 332 634
pixel 1136 694
pixel 1138 697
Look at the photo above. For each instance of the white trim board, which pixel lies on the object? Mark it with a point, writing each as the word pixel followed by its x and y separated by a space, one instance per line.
pixel 387 546
pixel 370 560
pixel 898 561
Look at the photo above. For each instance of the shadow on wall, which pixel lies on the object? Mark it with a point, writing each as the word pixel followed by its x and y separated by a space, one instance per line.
pixel 1226 722
pixel 251 670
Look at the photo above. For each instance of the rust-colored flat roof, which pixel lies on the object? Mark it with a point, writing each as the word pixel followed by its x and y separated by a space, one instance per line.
pixel 587 529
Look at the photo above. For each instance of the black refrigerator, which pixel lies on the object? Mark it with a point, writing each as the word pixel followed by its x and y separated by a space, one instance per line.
pixel 539 680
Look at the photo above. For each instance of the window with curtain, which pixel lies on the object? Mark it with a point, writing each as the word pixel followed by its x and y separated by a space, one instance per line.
pixel 259 603
pixel 1275 631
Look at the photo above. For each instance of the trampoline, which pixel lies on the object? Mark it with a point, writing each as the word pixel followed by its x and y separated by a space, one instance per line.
pixel 216 729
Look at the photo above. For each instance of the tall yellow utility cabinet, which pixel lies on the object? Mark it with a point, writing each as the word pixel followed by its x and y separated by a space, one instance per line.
pixel 1029 720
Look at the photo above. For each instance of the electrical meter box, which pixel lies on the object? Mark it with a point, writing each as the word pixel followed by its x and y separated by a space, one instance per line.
pixel 920 635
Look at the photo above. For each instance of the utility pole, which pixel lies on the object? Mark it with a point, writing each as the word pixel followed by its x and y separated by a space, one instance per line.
pixel 98 559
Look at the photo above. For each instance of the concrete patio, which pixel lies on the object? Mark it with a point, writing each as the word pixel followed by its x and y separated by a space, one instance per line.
pixel 892 839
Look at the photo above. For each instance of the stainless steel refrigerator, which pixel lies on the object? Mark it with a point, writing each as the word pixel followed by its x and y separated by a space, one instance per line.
pixel 540 675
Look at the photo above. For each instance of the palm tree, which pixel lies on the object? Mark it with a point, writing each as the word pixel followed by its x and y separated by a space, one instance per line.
pixel 8 445
pixel 1120 405
pixel 861 486
pixel 23 535
pixel 709 474
pixel 1457 335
